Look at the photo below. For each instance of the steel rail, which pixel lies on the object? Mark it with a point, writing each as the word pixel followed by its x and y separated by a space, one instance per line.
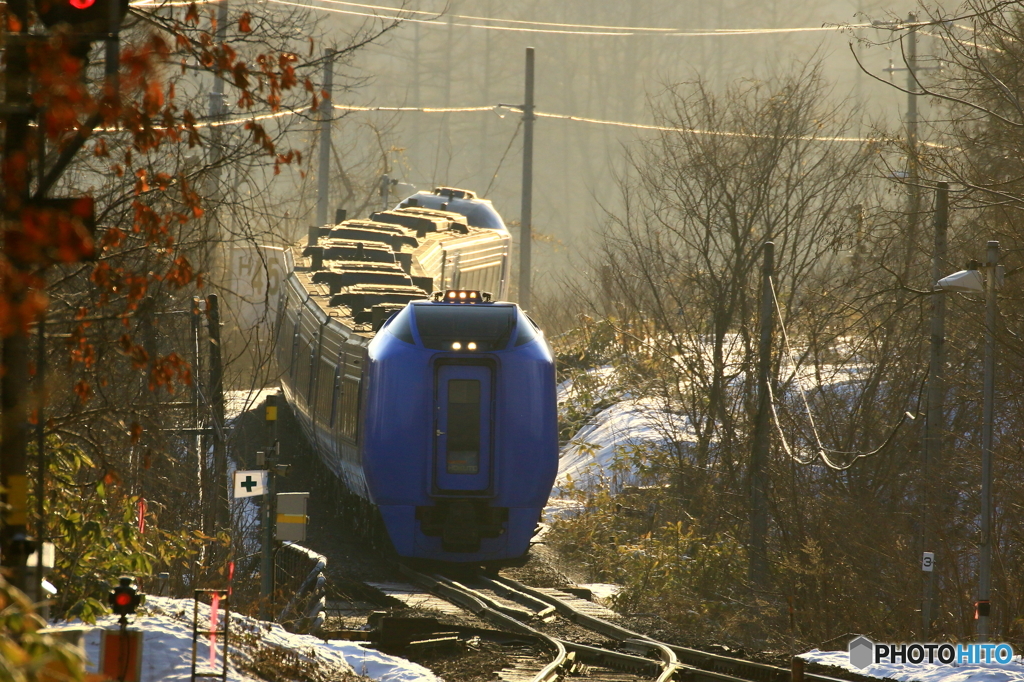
pixel 693 662
pixel 485 607
pixel 478 605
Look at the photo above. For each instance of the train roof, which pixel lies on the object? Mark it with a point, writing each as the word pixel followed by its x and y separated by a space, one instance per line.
pixel 478 212
pixel 361 271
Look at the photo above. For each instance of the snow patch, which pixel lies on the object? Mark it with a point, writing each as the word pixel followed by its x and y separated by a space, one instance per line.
pixel 167 647
pixel 924 672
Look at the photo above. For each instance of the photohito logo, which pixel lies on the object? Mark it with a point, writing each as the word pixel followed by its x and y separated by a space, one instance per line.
pixel 864 652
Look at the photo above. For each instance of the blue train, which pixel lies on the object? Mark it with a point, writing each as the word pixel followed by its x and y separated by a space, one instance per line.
pixel 433 404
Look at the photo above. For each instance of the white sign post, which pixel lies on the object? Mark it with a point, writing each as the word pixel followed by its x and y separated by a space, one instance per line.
pixel 250 483
pixel 928 562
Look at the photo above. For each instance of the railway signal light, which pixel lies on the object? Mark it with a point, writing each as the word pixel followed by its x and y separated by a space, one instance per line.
pixel 83 16
pixel 124 598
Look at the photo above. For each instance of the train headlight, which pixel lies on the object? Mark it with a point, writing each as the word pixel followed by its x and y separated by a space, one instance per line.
pixel 471 345
pixel 456 346
pixel 462 296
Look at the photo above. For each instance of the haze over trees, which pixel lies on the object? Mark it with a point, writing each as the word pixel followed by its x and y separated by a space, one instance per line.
pixel 672 224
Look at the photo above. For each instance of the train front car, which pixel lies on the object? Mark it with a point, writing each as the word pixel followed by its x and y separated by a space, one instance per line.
pixel 460 442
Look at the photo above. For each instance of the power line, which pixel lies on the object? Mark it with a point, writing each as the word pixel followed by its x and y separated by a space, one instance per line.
pixel 522 26
pixel 821 451
pixel 542 114
pixel 494 177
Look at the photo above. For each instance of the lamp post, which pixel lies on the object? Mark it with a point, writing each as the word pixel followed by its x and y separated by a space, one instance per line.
pixel 970 281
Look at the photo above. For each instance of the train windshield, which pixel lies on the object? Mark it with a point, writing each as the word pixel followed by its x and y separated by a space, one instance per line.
pixel 441 326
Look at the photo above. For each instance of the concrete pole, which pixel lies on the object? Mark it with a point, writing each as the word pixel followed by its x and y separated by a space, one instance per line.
pixel 219 481
pixel 269 462
pixel 934 424
pixel 217 107
pixel 985 550
pixel 758 562
pixel 526 211
pixel 324 171
pixel 913 167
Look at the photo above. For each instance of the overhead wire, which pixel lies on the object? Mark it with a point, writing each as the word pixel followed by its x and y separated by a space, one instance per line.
pixel 494 177
pixel 539 114
pixel 821 451
pixel 522 25
pixel 400 14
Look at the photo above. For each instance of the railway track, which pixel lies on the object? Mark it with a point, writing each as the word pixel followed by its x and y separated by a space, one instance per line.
pixel 550 648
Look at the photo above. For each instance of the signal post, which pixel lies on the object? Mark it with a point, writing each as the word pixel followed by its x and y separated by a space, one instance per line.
pixel 83 21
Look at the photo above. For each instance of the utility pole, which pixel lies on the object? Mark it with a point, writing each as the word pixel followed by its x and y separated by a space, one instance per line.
pixel 40 386
pixel 416 144
pixel 985 550
pixel 220 512
pixel 326 111
pixel 15 544
pixel 912 177
pixel 20 148
pixel 913 168
pixel 214 223
pixel 526 211
pixel 197 464
pixel 270 458
pixel 932 459
pixel 485 96
pixel 217 108
pixel 758 567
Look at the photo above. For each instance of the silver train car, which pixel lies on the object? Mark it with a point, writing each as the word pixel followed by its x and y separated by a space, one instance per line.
pixel 345 284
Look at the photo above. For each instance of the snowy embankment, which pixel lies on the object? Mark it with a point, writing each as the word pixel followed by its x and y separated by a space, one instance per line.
pixel 629 422
pixel 924 672
pixel 167 648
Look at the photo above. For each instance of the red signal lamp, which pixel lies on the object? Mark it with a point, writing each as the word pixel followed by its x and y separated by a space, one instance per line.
pixel 124 599
pixel 83 16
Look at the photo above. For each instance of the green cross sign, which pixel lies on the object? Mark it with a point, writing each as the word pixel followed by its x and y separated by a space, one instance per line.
pixel 249 483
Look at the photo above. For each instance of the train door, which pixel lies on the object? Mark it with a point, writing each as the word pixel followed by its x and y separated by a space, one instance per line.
pixel 462 437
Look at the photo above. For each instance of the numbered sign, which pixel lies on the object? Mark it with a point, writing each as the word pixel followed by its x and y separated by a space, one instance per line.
pixel 928 561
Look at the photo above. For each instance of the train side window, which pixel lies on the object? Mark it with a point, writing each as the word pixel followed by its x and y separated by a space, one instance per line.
pixel 295 341
pixel 349 408
pixel 336 394
pixel 324 390
pixel 526 331
pixel 401 325
pixel 314 346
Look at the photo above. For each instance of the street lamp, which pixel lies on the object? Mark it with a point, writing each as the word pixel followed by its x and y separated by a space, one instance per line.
pixel 970 281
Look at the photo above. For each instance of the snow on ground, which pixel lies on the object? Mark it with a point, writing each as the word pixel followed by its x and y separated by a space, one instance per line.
pixel 167 647
pixel 621 426
pixel 237 402
pixel 603 592
pixel 631 421
pixel 924 672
